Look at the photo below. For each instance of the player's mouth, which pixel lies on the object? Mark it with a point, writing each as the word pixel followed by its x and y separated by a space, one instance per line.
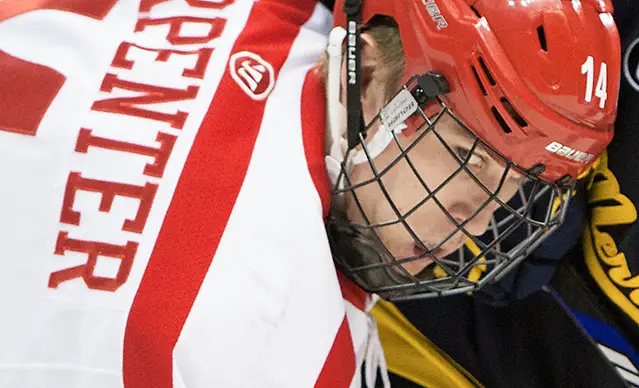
pixel 419 251
pixel 421 258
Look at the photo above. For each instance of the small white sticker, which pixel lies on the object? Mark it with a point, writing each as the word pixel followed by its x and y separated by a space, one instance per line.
pixel 401 107
pixel 569 153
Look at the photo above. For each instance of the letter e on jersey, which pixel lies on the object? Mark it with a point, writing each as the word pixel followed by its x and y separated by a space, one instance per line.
pixel 253 74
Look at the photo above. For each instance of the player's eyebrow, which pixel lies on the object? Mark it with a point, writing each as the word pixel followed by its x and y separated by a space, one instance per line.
pixel 516 176
pixel 462 134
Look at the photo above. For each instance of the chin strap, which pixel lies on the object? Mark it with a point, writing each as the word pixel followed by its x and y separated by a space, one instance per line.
pixel 336 143
pixel 341 142
pixel 355 117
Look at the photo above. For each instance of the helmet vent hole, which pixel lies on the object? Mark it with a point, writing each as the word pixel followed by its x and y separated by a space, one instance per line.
pixel 481 85
pixel 472 7
pixel 500 120
pixel 542 38
pixel 487 72
pixel 513 113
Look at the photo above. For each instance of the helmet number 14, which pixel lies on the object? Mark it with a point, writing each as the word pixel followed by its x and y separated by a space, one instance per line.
pixel 588 68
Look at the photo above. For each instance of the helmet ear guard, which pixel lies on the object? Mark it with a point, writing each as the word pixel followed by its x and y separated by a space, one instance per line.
pixel 510 113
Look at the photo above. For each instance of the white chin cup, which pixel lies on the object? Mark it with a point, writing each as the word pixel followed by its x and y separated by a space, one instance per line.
pixel 376 145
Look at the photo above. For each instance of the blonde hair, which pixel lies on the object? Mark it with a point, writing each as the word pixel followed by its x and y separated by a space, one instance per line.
pixel 385 33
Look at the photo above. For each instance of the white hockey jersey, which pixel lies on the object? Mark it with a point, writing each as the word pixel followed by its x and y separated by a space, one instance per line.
pixel 162 191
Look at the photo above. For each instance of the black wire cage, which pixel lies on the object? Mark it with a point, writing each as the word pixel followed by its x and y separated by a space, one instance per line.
pixel 515 229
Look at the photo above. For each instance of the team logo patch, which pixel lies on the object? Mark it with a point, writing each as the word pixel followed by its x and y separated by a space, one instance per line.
pixel 611 211
pixel 631 64
pixel 253 74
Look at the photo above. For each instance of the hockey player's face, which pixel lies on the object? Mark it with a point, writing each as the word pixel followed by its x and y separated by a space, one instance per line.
pixel 460 197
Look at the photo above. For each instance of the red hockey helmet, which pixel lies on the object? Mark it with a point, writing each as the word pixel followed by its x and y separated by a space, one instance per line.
pixel 536 81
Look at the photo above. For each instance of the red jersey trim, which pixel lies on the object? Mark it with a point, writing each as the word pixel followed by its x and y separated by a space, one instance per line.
pixel 96 9
pixel 203 201
pixel 313 130
pixel 352 292
pixel 340 366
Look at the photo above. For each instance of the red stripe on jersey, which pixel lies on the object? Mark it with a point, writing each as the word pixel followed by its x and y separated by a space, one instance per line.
pixel 203 201
pixel 352 292
pixel 339 368
pixel 96 9
pixel 313 131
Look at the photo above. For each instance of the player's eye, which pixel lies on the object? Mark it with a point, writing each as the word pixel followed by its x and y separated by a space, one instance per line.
pixel 473 158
